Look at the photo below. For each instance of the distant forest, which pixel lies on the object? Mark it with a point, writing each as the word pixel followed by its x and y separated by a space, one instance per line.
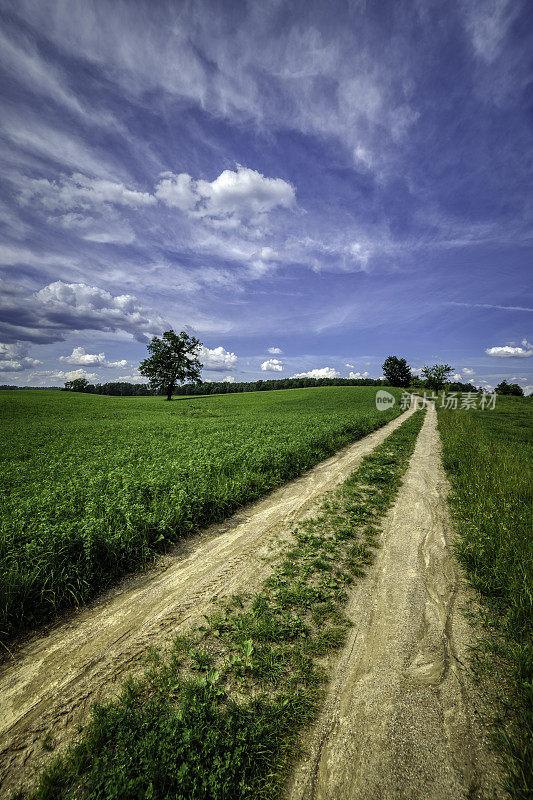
pixel 121 389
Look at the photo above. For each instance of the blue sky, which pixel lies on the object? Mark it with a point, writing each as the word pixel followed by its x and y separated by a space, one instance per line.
pixel 308 187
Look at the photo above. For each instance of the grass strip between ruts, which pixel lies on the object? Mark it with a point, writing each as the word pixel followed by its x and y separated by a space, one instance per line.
pixel 218 715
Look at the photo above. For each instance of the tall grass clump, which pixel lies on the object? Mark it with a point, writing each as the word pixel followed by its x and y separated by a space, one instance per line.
pixel 94 486
pixel 487 455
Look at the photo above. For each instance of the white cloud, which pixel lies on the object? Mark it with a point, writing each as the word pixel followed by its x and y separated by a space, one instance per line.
pixel 52 312
pixel 18 366
pixel 324 372
pixel 78 373
pixel 272 365
pixel 133 378
pixel 359 375
pixel 488 24
pixel 457 377
pixel 268 254
pixel 310 78
pixel 511 351
pixel 80 191
pixel 233 197
pixel 350 366
pixel 228 379
pixel 71 375
pixel 14 357
pixel 81 358
pixel 275 351
pixel 467 371
pixel 217 359
pixel 177 191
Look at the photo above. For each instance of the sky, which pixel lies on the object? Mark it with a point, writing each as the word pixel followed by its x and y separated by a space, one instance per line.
pixel 307 187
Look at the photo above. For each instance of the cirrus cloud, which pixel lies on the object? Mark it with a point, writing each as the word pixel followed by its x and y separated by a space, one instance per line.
pixel 80 191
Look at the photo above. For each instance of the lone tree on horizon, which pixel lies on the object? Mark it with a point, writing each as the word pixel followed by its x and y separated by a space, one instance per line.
pixel 173 359
pixel 397 371
pixel 436 376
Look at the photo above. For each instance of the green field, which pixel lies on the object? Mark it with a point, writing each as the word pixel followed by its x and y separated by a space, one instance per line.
pixel 93 486
pixel 487 455
pixel 218 713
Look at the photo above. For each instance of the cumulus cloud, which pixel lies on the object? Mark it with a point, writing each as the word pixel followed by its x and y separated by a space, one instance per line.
pixel 14 357
pixel 511 350
pixel 81 358
pixel 217 359
pixel 350 366
pixel 233 197
pixel 49 314
pixel 70 375
pixel 134 377
pixel 467 371
pixel 354 375
pixel 272 365
pixel 324 372
pixel 275 351
pixel 228 379
pixel 457 377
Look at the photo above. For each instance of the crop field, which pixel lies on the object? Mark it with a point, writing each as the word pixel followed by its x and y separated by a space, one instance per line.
pixel 217 715
pixel 93 486
pixel 487 455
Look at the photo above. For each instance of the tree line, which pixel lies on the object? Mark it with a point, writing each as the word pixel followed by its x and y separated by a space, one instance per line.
pixel 173 366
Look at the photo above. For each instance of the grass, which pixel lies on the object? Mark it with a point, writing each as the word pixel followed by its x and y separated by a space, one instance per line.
pixel 218 715
pixel 94 486
pixel 487 455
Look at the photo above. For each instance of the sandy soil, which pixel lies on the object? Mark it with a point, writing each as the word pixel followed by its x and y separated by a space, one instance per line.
pixel 401 718
pixel 49 684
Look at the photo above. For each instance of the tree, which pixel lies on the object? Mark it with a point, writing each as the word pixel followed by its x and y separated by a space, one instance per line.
pixel 397 371
pixel 509 388
pixel 436 376
pixel 77 385
pixel 173 359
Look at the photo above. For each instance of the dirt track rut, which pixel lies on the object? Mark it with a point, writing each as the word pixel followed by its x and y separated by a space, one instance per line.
pixel 53 678
pixel 400 721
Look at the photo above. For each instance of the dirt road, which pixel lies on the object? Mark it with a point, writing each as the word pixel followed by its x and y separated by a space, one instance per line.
pixel 400 720
pixel 52 680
